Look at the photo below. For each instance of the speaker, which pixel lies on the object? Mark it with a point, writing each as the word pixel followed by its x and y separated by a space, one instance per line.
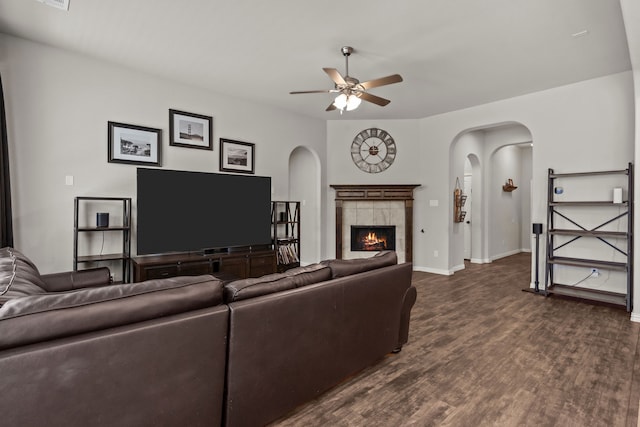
pixel 537 228
pixel 102 219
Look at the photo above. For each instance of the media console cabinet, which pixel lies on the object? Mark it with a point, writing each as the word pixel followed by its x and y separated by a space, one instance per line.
pixel 239 264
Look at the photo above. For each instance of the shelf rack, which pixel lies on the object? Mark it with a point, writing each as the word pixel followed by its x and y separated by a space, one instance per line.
pixel 124 257
pixel 564 209
pixel 285 220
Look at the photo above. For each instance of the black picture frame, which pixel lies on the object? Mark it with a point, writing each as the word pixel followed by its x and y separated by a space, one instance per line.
pixel 237 156
pixel 190 130
pixel 133 144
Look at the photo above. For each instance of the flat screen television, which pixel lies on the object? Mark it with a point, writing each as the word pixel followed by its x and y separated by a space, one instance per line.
pixel 181 211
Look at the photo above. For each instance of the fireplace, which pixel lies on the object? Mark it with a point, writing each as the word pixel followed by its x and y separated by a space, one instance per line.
pixel 381 205
pixel 373 237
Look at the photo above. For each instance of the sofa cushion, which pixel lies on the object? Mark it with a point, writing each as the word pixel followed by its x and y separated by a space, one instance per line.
pixel 40 317
pixel 271 283
pixel 347 267
pixel 19 277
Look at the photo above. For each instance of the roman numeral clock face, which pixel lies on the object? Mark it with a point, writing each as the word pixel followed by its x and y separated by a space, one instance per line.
pixel 373 150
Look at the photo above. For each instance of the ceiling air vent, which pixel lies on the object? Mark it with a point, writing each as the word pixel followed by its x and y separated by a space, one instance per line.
pixel 58 4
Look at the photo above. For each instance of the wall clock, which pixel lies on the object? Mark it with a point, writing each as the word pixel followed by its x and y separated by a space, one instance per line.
pixel 373 150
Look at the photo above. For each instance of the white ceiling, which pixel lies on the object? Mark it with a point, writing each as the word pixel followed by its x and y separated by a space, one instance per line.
pixel 451 54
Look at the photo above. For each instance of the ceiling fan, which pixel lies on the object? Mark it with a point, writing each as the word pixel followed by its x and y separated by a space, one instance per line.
pixel 352 91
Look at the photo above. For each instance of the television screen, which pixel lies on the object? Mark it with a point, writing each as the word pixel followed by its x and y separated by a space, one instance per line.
pixel 181 211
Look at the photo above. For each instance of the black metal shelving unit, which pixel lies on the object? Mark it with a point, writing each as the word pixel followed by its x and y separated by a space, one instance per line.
pixel 285 219
pixel 620 241
pixel 124 257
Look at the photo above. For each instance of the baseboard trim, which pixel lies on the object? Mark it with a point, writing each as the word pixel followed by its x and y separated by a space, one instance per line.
pixel 433 270
pixel 635 317
pixel 457 268
pixel 506 254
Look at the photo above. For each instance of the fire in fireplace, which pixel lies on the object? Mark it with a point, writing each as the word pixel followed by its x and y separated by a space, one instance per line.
pixel 373 237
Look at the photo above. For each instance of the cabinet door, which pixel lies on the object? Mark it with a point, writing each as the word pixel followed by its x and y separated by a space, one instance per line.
pixel 159 272
pixel 194 268
pixel 234 266
pixel 260 265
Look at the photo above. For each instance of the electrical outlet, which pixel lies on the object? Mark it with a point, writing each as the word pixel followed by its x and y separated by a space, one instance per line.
pixel 595 272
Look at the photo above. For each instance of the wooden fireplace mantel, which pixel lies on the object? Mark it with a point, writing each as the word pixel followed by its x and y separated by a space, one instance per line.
pixel 387 192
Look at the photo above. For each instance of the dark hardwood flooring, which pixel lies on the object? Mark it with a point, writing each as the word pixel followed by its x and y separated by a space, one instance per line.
pixel 483 353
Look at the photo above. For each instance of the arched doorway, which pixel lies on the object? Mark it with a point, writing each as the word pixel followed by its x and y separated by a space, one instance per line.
pixel 472 185
pixel 497 221
pixel 304 186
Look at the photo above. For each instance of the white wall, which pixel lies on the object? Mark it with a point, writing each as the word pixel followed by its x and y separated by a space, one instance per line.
pixel 58 105
pixel 524 185
pixel 635 315
pixel 568 126
pixel 582 126
pixel 342 170
pixel 506 158
pixel 505 207
pixel 631 15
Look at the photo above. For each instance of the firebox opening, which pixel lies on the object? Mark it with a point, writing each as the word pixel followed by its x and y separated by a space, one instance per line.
pixel 373 237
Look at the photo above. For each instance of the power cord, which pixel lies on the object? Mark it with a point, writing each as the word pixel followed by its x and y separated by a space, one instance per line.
pixel 582 280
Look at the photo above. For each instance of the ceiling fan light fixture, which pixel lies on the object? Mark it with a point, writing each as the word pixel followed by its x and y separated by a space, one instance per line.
pixel 341 101
pixel 353 102
pixel 348 102
pixel 351 90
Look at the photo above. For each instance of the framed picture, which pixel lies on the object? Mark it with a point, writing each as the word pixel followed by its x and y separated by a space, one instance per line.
pixel 190 130
pixel 136 145
pixel 237 156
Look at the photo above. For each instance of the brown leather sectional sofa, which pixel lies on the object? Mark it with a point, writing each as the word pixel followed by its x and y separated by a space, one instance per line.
pixel 190 351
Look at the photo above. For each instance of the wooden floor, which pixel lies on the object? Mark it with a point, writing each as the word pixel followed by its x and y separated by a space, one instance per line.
pixel 483 353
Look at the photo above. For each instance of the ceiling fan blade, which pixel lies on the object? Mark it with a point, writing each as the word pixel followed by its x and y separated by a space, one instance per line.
pixel 394 78
pixel 335 76
pixel 310 91
pixel 331 107
pixel 375 99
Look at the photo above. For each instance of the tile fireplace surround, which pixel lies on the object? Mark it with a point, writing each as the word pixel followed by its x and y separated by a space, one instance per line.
pixel 374 205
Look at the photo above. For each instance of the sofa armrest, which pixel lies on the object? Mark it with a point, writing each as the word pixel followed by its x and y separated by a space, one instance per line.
pixel 405 316
pixel 70 280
